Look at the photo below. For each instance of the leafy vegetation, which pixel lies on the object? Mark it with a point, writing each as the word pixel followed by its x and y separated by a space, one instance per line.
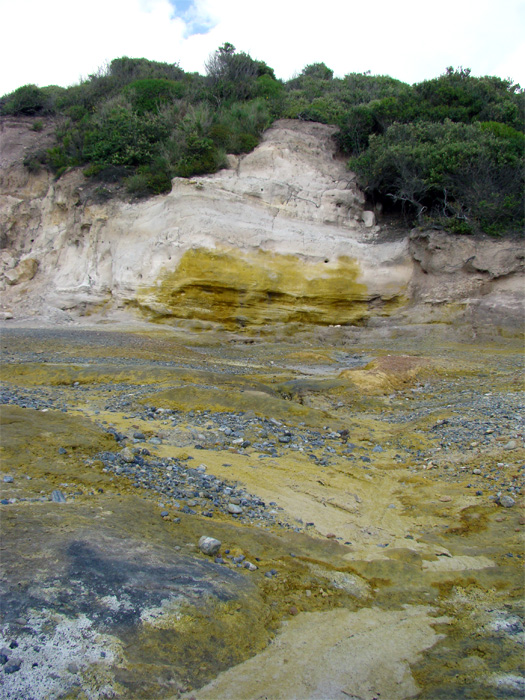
pixel 447 151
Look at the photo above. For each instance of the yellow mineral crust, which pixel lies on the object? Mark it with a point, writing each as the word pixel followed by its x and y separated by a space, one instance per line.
pixel 237 288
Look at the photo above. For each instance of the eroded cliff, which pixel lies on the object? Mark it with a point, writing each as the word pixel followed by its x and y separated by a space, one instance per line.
pixel 283 235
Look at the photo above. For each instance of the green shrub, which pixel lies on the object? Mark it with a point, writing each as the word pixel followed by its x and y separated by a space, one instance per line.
pixel 243 143
pixel 124 138
pixel 26 100
pixel 149 94
pixel 146 183
pixel 200 156
pixel 268 87
pixel 125 70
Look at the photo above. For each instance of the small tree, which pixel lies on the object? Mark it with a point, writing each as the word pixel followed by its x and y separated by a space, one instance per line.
pixel 233 76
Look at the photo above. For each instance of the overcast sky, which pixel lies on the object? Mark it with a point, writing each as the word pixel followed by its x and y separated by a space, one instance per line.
pixel 59 42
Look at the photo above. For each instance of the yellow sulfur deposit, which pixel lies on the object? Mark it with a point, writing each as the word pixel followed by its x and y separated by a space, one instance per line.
pixel 235 288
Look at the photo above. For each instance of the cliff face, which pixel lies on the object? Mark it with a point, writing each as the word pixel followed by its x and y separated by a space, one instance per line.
pixel 283 235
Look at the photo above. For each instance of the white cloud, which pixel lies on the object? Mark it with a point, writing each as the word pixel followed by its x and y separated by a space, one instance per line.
pixel 58 41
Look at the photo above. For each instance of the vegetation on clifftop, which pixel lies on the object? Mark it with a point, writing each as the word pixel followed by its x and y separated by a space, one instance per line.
pixel 447 151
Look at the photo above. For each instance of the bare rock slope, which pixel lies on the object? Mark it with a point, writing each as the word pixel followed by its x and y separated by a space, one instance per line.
pixel 282 235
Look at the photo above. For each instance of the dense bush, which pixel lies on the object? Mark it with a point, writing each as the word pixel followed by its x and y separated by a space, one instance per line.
pixel 464 175
pixel 123 137
pixel 26 100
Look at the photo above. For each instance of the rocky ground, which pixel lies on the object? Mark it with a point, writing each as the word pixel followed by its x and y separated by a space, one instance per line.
pixel 366 494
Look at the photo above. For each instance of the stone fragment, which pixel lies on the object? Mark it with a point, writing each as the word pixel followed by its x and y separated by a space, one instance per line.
pixel 251 567
pixel 58 497
pixel 8 479
pixel 506 501
pixel 369 219
pixel 209 545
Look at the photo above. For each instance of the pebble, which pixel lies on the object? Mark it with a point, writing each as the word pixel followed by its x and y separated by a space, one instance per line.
pixel 209 545
pixel 8 479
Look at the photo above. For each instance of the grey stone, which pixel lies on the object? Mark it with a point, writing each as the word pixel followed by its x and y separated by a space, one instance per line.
pixel 8 479
pixel 58 497
pixel 209 545
pixel 234 509
pixel 506 501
